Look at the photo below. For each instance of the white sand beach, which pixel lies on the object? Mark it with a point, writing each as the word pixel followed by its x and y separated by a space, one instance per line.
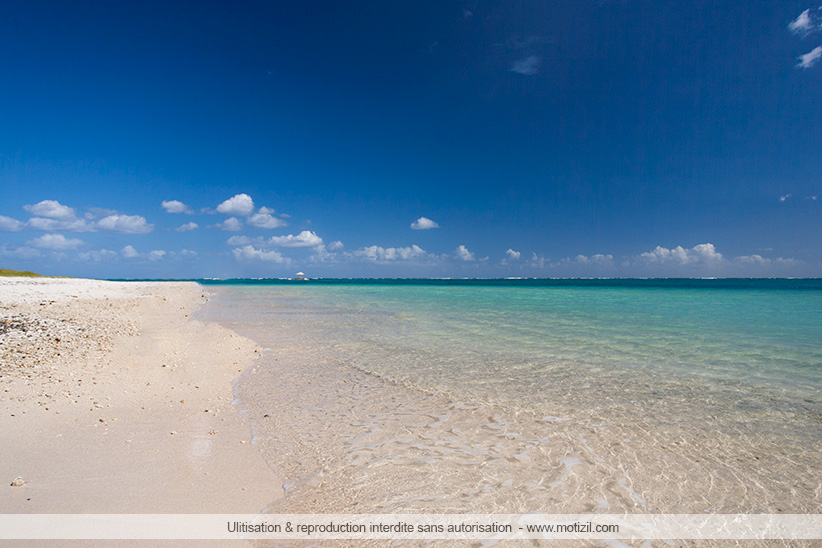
pixel 113 400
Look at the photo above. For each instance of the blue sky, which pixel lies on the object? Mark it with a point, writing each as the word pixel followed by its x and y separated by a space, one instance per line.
pixel 479 139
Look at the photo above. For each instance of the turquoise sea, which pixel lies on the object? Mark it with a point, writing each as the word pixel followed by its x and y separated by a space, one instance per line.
pixel 550 395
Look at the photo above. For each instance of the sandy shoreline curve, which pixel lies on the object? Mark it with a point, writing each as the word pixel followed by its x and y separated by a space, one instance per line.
pixel 114 400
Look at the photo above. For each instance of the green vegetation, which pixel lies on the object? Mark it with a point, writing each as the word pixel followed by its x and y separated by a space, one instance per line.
pixel 23 273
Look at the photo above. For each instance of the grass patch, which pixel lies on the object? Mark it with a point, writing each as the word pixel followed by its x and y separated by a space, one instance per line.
pixel 22 273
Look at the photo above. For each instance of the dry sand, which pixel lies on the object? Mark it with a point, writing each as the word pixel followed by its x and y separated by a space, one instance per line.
pixel 113 400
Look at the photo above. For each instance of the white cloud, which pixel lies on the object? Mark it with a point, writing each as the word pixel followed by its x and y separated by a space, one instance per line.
pixel 334 246
pixel 787 262
pixel 52 216
pixel 809 59
pixel 55 241
pixel 23 252
pixel 7 224
pixel 232 224
pixel 175 206
pixel 129 252
pixel 188 253
pixel 188 227
pixel 463 254
pixel 303 239
pixel 266 210
pixel 424 223
pixel 97 256
pixel 527 66
pixel 784 197
pixel 321 254
pixel 51 225
pixel 239 204
pixel 378 253
pixel 773 266
pixel 707 253
pixel 239 240
pixel 812 198
pixel 125 224
pixel 513 255
pixel 806 23
pixel 51 209
pixel 97 212
pixel 538 261
pixel 699 254
pixel 802 24
pixel 596 260
pixel 753 260
pixel 265 220
pixel 250 252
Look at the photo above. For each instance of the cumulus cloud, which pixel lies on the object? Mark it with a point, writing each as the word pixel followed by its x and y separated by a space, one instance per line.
pixel 527 66
pixel 52 216
pixel 22 252
pixel 513 255
pixel 699 254
pixel 759 264
pixel 232 224
pixel 7 224
pixel 239 204
pixel 125 224
pixel 378 253
pixel 463 254
pixel 595 260
pixel 538 260
pixel 97 212
pixel 129 252
pixel 303 239
pixel 705 256
pixel 175 206
pixel 239 240
pixel 56 242
pixel 188 227
pixel 69 225
pixel 264 219
pixel 810 59
pixel 321 254
pixel 424 223
pixel 97 255
pixel 753 260
pixel 51 209
pixel 249 252
pixel 335 246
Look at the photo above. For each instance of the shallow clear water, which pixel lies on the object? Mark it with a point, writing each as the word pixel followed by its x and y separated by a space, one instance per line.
pixel 516 398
